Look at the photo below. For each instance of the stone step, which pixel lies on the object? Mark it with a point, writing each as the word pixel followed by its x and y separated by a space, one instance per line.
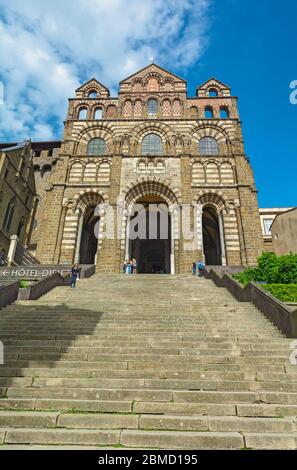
pixel 182 440
pixel 211 423
pixel 136 374
pixel 152 384
pixel 106 421
pixel 188 367
pixel 60 436
pixel 143 367
pixel 127 438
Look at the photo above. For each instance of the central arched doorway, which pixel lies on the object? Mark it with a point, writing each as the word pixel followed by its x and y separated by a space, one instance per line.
pixel 149 240
pixel 211 237
pixel 89 237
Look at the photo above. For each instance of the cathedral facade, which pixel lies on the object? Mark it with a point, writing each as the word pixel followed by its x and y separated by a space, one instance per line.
pixel 151 145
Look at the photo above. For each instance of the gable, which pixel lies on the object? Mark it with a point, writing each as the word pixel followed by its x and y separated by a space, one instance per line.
pixel 92 85
pixel 223 90
pixel 153 78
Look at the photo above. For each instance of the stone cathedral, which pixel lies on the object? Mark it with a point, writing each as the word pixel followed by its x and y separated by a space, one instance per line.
pixel 153 144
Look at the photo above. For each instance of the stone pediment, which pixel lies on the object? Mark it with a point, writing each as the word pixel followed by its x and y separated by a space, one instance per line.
pixel 153 78
pixel 216 84
pixel 92 85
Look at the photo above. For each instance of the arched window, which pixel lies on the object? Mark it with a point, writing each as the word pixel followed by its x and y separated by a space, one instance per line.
pixel 152 145
pixel 213 92
pixel 208 112
pixel 176 108
pixel 127 109
pixel 138 108
pixel 152 107
pixel 93 94
pixel 82 114
pixel 224 113
pixel 9 215
pixel 208 146
pixel 111 111
pixel 98 113
pixel 194 112
pixel 96 147
pixel 20 227
pixel 153 84
pixel 166 108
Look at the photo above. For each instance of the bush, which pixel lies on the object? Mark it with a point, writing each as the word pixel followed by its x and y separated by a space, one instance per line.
pixel 271 269
pixel 23 284
pixel 248 276
pixel 283 292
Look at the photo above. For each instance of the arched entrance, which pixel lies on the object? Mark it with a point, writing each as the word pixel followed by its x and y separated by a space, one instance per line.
pixel 155 245
pixel 150 236
pixel 211 236
pixel 89 237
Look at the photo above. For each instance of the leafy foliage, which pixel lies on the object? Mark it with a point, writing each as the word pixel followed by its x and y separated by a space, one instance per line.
pixel 23 284
pixel 271 269
pixel 283 292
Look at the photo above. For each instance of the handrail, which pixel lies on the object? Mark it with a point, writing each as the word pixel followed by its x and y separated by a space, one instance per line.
pixel 9 294
pixel 276 311
pixel 40 288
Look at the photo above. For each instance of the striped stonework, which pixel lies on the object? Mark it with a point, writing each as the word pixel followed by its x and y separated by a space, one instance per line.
pixel 182 174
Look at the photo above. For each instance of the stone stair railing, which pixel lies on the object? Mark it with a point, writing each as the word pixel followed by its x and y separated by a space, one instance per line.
pixel 276 311
pixel 8 293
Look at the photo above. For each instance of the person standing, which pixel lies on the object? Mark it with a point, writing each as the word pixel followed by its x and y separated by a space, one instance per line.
pixel 194 268
pixel 134 266
pixel 74 275
pixel 125 266
pixel 128 267
pixel 201 267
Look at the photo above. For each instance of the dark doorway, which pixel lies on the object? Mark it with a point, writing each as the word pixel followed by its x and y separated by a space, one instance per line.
pixel 89 241
pixel 211 237
pixel 152 249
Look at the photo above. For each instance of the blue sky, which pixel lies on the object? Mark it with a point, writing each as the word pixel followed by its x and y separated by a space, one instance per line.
pixel 48 48
pixel 253 48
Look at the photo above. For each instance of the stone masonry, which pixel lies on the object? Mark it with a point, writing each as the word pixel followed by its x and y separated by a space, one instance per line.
pixel 201 164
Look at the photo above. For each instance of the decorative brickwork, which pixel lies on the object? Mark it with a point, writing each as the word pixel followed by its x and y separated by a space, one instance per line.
pixel 212 180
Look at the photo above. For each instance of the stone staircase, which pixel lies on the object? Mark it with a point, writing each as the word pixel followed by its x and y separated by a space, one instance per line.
pixel 158 362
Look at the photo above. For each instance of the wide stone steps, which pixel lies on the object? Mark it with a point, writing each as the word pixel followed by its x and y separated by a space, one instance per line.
pixel 144 362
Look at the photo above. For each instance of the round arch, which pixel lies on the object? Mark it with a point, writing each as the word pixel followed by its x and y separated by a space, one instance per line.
pixel 153 253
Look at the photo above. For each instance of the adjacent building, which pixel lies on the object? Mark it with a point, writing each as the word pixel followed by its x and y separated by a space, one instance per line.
pixel 17 194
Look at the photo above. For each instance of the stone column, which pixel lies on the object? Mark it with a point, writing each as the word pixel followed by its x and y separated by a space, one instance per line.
pixel 222 239
pixel 78 240
pixel 12 249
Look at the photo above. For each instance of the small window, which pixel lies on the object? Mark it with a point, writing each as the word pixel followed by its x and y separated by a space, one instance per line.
pixel 208 113
pixel 224 113
pixel 20 227
pixel 213 92
pixel 93 94
pixel 267 226
pixel 9 215
pixel 152 145
pixel 208 146
pixel 96 147
pixel 82 115
pixel 98 113
pixel 152 107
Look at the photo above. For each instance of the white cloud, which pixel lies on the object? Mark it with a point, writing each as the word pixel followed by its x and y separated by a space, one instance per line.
pixel 49 47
